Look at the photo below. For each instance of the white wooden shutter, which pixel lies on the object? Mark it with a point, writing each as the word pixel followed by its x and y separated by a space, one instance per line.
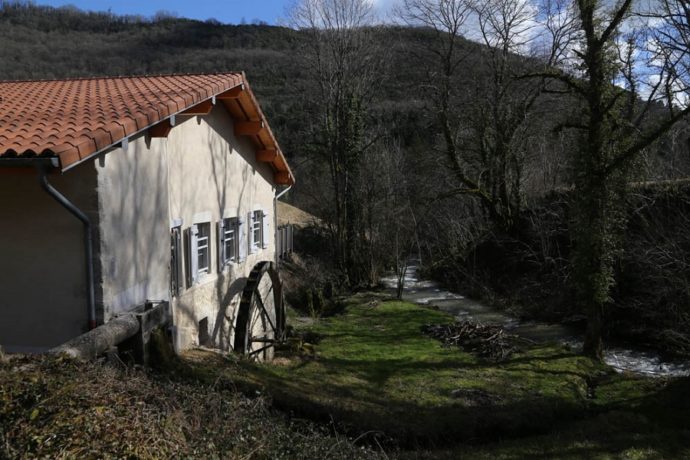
pixel 221 245
pixel 266 233
pixel 250 228
pixel 242 240
pixel 193 254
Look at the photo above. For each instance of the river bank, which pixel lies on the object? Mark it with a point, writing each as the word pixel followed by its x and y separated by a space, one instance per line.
pixel 622 355
pixel 528 271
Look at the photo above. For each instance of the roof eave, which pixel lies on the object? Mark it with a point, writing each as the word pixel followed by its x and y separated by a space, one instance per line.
pixel 49 162
pixel 282 172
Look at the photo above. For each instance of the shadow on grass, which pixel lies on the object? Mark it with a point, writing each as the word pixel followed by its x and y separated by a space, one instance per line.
pixel 374 370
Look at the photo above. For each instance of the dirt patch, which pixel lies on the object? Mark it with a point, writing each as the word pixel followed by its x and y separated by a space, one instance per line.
pixel 289 214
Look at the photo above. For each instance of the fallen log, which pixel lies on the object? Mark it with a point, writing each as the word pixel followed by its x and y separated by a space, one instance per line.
pixel 95 342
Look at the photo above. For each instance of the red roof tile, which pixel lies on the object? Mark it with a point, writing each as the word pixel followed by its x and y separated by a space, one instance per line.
pixel 74 119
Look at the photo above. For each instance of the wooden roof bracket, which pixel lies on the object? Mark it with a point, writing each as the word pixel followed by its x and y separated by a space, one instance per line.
pixel 163 128
pixel 248 128
pixel 282 178
pixel 202 108
pixel 232 93
pixel 266 155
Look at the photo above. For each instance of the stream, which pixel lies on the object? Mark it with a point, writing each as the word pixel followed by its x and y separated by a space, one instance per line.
pixel 430 293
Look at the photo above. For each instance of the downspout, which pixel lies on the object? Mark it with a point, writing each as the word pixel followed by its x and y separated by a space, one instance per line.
pixel 88 241
pixel 275 219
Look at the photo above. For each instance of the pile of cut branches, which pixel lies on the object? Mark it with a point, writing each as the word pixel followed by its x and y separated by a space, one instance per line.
pixel 488 341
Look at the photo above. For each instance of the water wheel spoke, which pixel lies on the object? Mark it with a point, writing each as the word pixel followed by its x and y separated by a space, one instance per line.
pixel 263 340
pixel 263 308
pixel 259 350
pixel 260 323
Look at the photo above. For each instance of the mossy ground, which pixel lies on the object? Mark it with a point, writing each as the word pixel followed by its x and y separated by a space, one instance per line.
pixel 373 371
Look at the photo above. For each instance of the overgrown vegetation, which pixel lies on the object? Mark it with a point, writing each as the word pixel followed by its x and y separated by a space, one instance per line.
pixel 371 369
pixel 52 407
pixel 383 389
pixel 529 272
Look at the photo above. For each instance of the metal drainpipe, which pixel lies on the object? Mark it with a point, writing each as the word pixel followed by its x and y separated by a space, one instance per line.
pixel 88 241
pixel 275 220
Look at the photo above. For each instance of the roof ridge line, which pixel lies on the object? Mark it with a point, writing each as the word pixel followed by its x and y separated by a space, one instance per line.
pixel 120 77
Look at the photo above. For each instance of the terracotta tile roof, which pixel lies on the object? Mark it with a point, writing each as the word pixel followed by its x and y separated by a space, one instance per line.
pixel 74 119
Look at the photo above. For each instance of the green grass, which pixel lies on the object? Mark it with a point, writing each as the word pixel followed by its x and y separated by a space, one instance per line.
pixel 373 370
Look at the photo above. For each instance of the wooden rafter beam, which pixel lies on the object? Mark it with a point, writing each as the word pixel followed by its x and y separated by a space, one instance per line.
pixel 282 178
pixel 232 93
pixel 203 108
pixel 267 155
pixel 161 129
pixel 248 128
pixel 18 171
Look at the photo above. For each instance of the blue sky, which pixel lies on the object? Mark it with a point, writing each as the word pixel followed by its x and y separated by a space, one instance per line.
pixel 228 11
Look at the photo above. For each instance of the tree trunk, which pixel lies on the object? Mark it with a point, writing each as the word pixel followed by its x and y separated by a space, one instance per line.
pixel 598 231
pixel 593 346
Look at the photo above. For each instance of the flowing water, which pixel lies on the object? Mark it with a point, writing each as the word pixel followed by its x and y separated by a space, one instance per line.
pixel 430 293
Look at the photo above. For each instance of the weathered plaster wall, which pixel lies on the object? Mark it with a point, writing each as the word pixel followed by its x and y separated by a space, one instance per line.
pixel 200 171
pixel 42 268
pixel 227 181
pixel 134 231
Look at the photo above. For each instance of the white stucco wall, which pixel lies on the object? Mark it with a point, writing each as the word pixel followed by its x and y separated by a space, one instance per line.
pixel 201 170
pixel 42 266
pixel 133 205
pixel 228 181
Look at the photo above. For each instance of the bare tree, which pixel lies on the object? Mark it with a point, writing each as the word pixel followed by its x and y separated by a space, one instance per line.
pixel 486 128
pixel 340 54
pixel 407 208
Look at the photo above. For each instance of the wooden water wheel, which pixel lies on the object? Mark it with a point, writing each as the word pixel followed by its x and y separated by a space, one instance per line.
pixel 261 315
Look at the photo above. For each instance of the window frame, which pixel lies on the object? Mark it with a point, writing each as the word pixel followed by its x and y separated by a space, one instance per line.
pixel 229 228
pixel 195 275
pixel 201 272
pixel 257 226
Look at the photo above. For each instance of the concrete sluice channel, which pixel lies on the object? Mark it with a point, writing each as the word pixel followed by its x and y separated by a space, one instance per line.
pixel 430 293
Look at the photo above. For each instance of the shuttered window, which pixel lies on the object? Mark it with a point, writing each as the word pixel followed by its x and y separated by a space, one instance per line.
pixel 256 238
pixel 228 246
pixel 175 261
pixel 199 256
pixel 266 230
pixel 259 231
pixel 203 242
pixel 242 235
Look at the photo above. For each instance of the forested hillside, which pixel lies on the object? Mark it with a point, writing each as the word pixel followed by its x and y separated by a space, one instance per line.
pixel 41 42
